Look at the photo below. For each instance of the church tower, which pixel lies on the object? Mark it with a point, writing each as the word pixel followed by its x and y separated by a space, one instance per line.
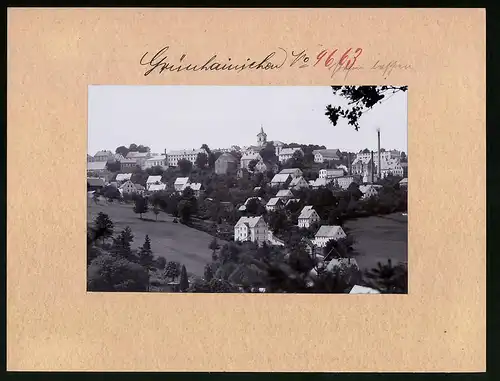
pixel 261 137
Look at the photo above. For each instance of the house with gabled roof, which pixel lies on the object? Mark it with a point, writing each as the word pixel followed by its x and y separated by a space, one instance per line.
pixel 281 179
pixel 122 177
pixel 253 229
pixel 404 183
pixel 357 289
pixel 294 172
pixel 327 233
pixel 243 207
pixel 180 183
pixel 307 217
pixel 153 180
pixel 104 155
pixel 342 264
pixel 287 153
pixel 322 155
pixel 274 204
pixel 369 190
pixel 130 188
pixel 320 182
pixel 196 187
pixel 247 158
pixel 157 187
pixel 97 166
pixel 284 194
pixel 298 183
pixel 95 183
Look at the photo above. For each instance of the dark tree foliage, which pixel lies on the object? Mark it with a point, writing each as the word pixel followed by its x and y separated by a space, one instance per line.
pixel 121 244
pixel 208 273
pixel 184 281
pixel 122 150
pixel 146 258
pixel 113 166
pixel 113 273
pixel 172 270
pixel 361 99
pixel 388 278
pixel 201 160
pixel 103 226
pixel 141 206
pixel 185 166
pixel 252 164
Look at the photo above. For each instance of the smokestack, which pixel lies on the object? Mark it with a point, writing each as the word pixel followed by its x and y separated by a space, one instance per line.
pixel 373 169
pixel 379 168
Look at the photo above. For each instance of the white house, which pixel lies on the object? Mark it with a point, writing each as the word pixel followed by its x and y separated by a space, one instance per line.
pixel 327 233
pixel 253 229
pixel 153 180
pixel 122 177
pixel 363 290
pixel 342 264
pixel 280 180
pixel 298 183
pixel 173 157
pixel 330 173
pixel 157 187
pixel 320 182
pixel 129 187
pixel 274 204
pixel 180 183
pixel 156 161
pixel 294 172
pixel 345 181
pixel 369 190
pixel 391 167
pixel 96 166
pixel 139 157
pixel 284 194
pixel 104 156
pixel 247 158
pixel 287 153
pixel 307 217
pixel 322 155
pixel 196 187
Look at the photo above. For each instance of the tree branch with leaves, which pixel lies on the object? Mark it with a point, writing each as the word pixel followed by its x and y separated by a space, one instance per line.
pixel 360 99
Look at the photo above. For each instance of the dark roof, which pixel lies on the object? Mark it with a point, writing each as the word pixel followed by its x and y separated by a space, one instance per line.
pixel 95 182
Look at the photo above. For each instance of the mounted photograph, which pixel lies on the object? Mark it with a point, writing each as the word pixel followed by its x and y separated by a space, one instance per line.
pixel 247 189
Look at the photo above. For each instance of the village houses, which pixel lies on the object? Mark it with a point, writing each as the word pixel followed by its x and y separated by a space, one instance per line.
pixel 274 204
pixel 139 158
pixel 97 166
pixel 157 187
pixel 226 164
pixel 307 217
pixel 123 177
pixel 327 233
pixel 369 190
pixel 247 158
pixel 293 172
pixel 281 180
pixel 330 173
pixel 324 155
pixel 197 189
pixel 157 161
pixel 287 153
pixel 127 165
pixel 156 180
pixel 266 166
pixel 344 181
pixel 298 183
pixel 180 183
pixel 284 194
pixel 95 183
pixel 106 156
pixel 243 207
pixel 253 229
pixel 173 157
pixel 128 187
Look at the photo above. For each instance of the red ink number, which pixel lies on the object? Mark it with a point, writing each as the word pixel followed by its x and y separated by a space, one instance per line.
pixel 320 56
pixel 345 56
pixel 329 60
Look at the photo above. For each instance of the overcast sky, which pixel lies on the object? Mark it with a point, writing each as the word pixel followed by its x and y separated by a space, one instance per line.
pixel 185 117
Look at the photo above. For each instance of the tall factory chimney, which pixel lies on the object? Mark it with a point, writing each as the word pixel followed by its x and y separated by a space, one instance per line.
pixel 379 161
pixel 373 170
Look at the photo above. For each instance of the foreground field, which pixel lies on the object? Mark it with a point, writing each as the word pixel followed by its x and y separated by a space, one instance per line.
pixel 380 238
pixel 174 242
